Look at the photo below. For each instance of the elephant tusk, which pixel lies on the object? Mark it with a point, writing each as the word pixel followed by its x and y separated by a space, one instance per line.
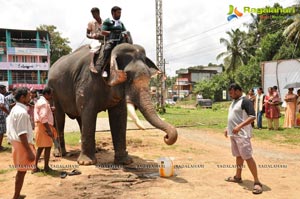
pixel 114 63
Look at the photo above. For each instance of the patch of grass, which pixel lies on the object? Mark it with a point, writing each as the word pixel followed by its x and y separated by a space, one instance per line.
pixel 196 117
pixel 72 138
pixel 103 114
pixel 5 144
pixel 286 136
pixel 3 171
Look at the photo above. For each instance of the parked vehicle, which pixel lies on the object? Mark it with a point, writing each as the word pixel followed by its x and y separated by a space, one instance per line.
pixel 170 101
pixel 204 103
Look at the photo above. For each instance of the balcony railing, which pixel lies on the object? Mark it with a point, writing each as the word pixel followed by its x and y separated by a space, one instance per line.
pixel 28 45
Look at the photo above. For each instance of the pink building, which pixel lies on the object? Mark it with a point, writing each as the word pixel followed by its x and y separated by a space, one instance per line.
pixel 24 58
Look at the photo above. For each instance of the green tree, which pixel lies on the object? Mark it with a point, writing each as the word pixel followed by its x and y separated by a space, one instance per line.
pixel 253 36
pixel 212 89
pixel 288 50
pixel 270 45
pixel 249 76
pixel 236 53
pixel 59 46
pixel 292 32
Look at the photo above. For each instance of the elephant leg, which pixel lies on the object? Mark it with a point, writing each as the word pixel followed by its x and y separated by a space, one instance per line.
pixel 88 126
pixel 60 125
pixel 118 124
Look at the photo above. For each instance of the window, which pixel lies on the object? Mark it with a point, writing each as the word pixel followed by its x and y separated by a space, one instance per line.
pixel 3 75
pixel 44 59
pixel 15 58
pixel 33 59
pixel 23 58
pixel 43 77
pixel 29 77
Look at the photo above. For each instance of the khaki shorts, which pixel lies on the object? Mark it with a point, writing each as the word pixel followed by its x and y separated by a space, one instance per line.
pixel 241 146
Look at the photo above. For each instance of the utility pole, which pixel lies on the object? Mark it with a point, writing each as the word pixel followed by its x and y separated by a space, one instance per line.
pixel 159 52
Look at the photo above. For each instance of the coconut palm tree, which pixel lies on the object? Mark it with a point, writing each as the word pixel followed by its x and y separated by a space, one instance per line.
pixel 236 50
pixel 292 32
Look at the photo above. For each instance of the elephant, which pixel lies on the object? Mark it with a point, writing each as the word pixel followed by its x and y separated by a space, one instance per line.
pixel 81 95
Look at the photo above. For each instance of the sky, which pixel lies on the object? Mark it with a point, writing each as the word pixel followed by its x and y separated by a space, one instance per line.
pixel 191 28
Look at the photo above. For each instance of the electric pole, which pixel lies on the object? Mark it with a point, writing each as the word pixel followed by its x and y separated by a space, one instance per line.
pixel 159 52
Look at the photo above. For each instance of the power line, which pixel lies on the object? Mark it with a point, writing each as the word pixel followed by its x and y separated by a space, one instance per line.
pixel 215 49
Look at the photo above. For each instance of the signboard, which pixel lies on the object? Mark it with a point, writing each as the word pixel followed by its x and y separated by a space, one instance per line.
pixel 27 51
pixel 224 95
pixel 23 66
pixel 1 51
pixel 35 86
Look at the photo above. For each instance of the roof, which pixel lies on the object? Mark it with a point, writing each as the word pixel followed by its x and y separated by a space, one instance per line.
pixel 204 69
pixel 23 34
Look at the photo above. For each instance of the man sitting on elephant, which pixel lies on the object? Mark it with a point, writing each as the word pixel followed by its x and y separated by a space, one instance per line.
pixel 94 32
pixel 113 29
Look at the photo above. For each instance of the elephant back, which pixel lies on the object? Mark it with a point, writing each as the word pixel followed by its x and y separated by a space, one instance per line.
pixel 76 61
pixel 69 69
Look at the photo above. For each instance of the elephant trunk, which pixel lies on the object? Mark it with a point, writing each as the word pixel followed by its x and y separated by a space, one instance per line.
pixel 146 107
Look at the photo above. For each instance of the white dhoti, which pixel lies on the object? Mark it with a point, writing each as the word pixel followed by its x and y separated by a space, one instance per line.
pixel 95 45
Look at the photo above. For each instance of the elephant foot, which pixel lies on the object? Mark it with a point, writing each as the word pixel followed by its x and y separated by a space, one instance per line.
pixel 123 160
pixel 116 77
pixel 86 160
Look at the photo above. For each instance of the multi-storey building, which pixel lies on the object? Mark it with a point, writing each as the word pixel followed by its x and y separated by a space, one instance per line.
pixel 187 78
pixel 24 58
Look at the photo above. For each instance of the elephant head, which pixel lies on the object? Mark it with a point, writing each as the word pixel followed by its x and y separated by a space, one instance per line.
pixel 139 69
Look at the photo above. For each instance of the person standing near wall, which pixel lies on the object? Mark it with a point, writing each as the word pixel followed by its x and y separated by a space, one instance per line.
pixel 290 111
pixel 271 110
pixel 259 107
pixel 297 122
pixel 251 96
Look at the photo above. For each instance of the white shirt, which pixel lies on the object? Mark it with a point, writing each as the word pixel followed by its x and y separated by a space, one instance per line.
pixel 18 123
pixel 117 22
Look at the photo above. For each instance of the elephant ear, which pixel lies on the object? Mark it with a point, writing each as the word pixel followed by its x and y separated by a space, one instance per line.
pixel 153 68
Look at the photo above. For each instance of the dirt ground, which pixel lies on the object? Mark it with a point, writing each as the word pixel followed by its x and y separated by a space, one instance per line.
pixel 202 160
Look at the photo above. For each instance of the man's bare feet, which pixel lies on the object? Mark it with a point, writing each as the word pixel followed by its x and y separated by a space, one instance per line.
pixel 93 69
